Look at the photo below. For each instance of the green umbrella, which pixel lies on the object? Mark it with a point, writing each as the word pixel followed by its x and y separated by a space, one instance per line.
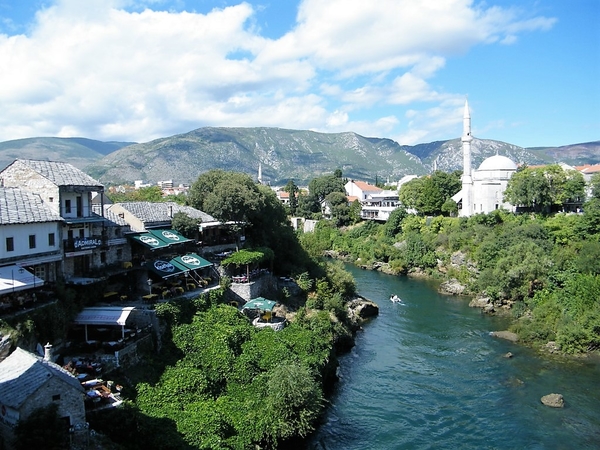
pixel 261 304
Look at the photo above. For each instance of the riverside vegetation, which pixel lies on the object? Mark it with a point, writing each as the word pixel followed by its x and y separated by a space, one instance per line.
pixel 544 269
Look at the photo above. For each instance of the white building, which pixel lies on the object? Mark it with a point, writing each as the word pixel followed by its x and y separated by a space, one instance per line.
pixel 482 190
pixel 68 192
pixel 30 246
pixel 376 203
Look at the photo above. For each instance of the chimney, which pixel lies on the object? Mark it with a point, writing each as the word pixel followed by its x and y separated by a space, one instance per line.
pixel 48 352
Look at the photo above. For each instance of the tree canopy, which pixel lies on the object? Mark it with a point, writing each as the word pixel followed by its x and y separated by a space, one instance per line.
pixel 545 188
pixel 428 195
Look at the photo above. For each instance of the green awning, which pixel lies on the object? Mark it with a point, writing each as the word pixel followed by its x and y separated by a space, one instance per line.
pixel 192 261
pixel 149 240
pixel 165 269
pixel 261 304
pixel 169 236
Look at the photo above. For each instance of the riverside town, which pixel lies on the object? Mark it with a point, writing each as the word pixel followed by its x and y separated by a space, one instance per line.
pixel 220 317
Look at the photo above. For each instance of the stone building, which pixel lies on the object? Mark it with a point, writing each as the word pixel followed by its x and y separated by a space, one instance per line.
pixel 68 192
pixel 29 382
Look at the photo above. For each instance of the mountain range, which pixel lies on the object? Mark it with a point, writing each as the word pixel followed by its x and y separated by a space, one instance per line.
pixel 283 154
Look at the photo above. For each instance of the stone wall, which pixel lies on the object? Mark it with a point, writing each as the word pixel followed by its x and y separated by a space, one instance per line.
pixel 264 286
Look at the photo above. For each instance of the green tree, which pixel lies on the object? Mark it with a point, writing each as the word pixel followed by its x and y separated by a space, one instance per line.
pixel 295 400
pixel 292 189
pixel 340 210
pixel 324 185
pixel 393 226
pixel 186 225
pixel 528 188
pixel 410 193
pixel 428 194
pixel 308 206
pixel 144 194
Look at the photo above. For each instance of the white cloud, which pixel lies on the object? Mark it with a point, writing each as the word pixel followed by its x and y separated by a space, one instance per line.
pixel 98 70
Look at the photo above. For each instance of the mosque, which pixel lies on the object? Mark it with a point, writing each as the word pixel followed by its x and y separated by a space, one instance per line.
pixel 482 189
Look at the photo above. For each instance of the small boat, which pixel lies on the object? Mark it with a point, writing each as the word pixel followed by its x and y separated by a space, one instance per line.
pixel 395 299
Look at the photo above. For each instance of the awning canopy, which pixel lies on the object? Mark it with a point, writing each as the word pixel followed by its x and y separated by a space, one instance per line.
pixel 191 261
pixel 166 269
pixel 261 304
pixel 169 236
pixel 15 278
pixel 104 316
pixel 149 240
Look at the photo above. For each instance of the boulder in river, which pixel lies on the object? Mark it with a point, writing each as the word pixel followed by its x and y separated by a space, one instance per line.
pixel 553 400
pixel 360 309
pixel 452 287
pixel 508 335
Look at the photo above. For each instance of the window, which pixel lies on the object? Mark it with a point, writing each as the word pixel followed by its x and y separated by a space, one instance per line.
pixel 10 244
pixel 103 257
pixel 32 241
pixel 51 199
pixel 51 240
pixel 67 206
pixel 55 397
pixel 70 235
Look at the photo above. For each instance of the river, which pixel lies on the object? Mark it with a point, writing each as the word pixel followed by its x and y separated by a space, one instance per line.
pixel 427 375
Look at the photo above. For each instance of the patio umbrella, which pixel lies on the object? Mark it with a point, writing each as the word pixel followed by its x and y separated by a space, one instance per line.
pixel 260 303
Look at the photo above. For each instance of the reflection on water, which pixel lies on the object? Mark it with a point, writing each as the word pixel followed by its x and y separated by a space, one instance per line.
pixel 427 374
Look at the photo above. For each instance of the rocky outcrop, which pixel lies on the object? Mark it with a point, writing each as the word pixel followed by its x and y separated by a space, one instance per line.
pixel 360 310
pixel 553 400
pixel 508 335
pixel 452 287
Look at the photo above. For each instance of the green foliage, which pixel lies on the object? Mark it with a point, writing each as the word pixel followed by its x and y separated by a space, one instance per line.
pixel 186 225
pixel 544 187
pixel 295 400
pixel 340 210
pixel 324 185
pixel 236 386
pixel 429 195
pixel 393 225
pixel 144 194
pixel 293 190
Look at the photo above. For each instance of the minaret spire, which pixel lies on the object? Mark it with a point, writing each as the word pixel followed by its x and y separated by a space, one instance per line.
pixel 259 173
pixel 467 180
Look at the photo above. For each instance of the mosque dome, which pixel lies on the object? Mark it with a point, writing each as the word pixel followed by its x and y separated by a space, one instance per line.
pixel 498 162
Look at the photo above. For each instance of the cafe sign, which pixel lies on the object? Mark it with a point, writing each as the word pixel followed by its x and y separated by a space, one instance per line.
pixel 87 243
pixel 190 260
pixel 164 266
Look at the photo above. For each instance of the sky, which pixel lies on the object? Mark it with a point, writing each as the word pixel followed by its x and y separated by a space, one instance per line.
pixel 138 70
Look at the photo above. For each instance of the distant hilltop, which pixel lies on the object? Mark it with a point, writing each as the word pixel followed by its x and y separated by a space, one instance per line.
pixel 284 154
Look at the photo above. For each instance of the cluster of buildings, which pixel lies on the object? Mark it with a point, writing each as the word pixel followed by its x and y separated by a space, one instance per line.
pixel 57 225
pixel 482 189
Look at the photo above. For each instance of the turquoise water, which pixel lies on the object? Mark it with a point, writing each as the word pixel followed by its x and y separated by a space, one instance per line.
pixel 427 375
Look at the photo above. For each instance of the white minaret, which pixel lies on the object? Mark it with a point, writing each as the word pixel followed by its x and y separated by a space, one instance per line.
pixel 467 180
pixel 259 173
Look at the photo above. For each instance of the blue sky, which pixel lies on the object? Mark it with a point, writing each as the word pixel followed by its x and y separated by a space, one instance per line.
pixel 137 70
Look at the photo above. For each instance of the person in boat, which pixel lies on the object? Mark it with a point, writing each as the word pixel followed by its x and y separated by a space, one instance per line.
pixel 395 299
